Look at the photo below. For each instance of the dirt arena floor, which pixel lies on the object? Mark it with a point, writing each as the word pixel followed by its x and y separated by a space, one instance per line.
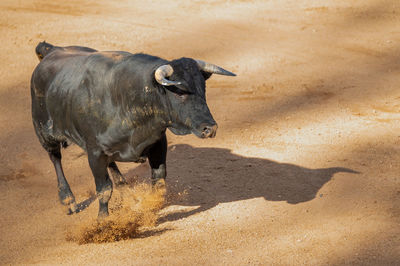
pixel 305 166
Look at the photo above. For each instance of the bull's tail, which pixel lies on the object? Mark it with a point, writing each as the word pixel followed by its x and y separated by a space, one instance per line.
pixel 43 49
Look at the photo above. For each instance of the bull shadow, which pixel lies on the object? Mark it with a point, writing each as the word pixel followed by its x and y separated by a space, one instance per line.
pixel 213 175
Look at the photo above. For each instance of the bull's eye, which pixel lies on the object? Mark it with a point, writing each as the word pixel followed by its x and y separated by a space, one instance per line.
pixel 181 97
pixel 180 92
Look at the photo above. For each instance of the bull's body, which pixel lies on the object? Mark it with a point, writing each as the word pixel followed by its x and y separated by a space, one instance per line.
pixel 110 104
pixel 100 101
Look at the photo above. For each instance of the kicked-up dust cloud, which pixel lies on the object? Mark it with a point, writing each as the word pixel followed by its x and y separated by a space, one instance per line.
pixel 131 209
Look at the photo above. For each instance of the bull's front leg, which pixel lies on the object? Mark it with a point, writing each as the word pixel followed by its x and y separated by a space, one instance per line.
pixel 98 162
pixel 157 160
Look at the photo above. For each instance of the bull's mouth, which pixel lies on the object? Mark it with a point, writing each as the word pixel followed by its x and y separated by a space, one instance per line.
pixel 181 131
pixel 206 131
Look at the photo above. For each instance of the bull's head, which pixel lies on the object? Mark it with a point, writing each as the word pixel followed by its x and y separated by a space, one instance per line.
pixel 184 80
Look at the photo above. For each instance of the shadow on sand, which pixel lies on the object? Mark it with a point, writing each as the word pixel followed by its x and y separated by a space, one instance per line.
pixel 214 175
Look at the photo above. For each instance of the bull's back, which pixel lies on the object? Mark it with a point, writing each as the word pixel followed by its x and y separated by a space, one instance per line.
pixel 43 49
pixel 69 89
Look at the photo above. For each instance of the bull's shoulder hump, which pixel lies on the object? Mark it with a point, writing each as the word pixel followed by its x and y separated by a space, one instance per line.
pixel 79 49
pixel 115 56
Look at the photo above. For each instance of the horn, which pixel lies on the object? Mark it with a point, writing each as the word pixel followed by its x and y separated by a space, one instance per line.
pixel 211 68
pixel 165 71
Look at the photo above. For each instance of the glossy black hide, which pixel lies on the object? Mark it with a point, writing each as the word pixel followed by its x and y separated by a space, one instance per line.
pixel 110 104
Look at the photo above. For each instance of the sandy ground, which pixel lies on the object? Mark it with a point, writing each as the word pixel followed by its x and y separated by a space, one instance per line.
pixel 305 165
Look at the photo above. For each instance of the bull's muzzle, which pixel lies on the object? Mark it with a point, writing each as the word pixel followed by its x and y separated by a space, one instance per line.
pixel 208 131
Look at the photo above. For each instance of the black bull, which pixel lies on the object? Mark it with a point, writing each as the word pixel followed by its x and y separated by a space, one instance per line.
pixel 116 106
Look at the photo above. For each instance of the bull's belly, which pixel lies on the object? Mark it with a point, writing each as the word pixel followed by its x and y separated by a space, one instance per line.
pixel 122 152
pixel 125 152
pixel 128 146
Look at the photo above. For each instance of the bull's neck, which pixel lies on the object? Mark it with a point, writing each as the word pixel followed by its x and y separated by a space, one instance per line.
pixel 149 121
pixel 150 111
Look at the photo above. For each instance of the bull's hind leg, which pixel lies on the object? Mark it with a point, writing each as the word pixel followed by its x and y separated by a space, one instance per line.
pixel 98 162
pixel 44 127
pixel 64 191
pixel 118 178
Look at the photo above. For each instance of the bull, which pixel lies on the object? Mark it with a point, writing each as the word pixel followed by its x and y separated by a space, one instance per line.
pixel 116 106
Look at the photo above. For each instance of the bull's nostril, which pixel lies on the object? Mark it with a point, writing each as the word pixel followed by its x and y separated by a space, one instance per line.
pixel 207 131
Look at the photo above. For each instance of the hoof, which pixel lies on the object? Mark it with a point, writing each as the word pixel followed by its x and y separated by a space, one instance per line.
pixel 160 186
pixel 158 183
pixel 70 204
pixel 71 208
pixel 102 215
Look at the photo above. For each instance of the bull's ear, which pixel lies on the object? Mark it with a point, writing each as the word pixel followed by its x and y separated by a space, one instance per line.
pixel 205 74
